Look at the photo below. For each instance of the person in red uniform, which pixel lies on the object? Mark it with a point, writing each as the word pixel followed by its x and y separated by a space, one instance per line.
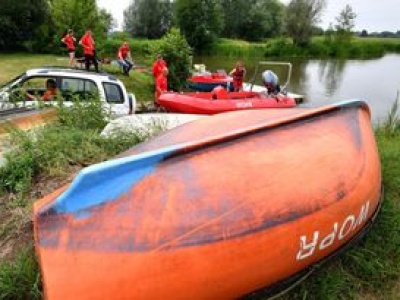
pixel 238 74
pixel 89 50
pixel 158 66
pixel 51 91
pixel 161 83
pixel 125 58
pixel 69 41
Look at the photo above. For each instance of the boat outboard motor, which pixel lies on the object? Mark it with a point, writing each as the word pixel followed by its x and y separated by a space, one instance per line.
pixel 271 82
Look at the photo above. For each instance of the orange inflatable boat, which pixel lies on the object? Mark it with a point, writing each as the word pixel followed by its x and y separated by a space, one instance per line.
pixel 219 101
pixel 214 209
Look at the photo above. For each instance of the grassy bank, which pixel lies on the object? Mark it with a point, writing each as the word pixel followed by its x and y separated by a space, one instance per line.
pixel 319 48
pixel 40 162
pixel 140 81
pixel 47 160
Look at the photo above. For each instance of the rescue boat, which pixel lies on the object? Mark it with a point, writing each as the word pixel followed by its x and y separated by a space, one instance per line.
pixel 220 100
pixel 215 208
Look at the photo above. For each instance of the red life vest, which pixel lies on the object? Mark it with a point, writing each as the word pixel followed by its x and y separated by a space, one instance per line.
pixel 238 74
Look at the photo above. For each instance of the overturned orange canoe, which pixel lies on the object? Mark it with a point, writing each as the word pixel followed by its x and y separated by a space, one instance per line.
pixel 214 209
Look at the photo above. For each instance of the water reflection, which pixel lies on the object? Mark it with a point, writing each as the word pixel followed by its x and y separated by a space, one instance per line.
pixel 375 81
pixel 300 78
pixel 331 74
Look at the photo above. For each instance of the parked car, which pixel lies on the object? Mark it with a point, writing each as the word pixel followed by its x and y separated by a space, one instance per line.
pixel 70 84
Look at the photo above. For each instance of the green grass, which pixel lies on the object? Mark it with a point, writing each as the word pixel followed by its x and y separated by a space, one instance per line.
pixel 14 64
pixel 20 279
pixel 139 83
pixel 41 158
pixel 371 268
pixel 393 41
pixel 320 47
pixel 73 141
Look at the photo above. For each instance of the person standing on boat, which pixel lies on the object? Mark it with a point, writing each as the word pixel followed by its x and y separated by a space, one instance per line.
pixel 271 82
pixel 161 83
pixel 238 74
pixel 125 58
pixel 89 50
pixel 158 66
pixel 69 40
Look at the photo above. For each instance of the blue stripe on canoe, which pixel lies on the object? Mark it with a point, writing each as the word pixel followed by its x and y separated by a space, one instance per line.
pixel 105 182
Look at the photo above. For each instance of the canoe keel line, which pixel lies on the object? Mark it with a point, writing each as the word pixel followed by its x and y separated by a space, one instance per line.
pixel 214 209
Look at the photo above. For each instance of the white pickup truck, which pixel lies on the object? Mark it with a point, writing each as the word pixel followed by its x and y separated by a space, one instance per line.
pixel 70 84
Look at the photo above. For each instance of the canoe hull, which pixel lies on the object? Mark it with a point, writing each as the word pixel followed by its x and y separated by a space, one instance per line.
pixel 221 232
pixel 204 103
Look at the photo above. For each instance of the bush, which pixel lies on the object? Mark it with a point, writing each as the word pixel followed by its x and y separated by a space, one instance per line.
pixel 72 141
pixel 16 176
pixel 177 52
pixel 279 47
pixel 85 113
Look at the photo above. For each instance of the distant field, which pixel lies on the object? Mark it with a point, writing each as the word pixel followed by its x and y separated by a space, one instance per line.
pixel 365 39
pixel 378 40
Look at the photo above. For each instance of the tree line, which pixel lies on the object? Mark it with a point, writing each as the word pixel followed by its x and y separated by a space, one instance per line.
pixel 202 21
pixel 41 24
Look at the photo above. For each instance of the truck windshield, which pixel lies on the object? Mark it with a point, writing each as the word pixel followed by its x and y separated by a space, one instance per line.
pixel 10 83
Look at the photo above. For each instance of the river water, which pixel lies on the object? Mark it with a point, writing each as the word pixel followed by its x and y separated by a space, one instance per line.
pixel 375 81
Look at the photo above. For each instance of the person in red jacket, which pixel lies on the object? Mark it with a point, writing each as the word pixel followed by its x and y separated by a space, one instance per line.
pixel 69 41
pixel 49 94
pixel 89 50
pixel 238 74
pixel 161 83
pixel 158 66
pixel 125 58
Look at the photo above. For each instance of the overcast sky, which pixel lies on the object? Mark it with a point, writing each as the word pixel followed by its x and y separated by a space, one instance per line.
pixel 379 15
